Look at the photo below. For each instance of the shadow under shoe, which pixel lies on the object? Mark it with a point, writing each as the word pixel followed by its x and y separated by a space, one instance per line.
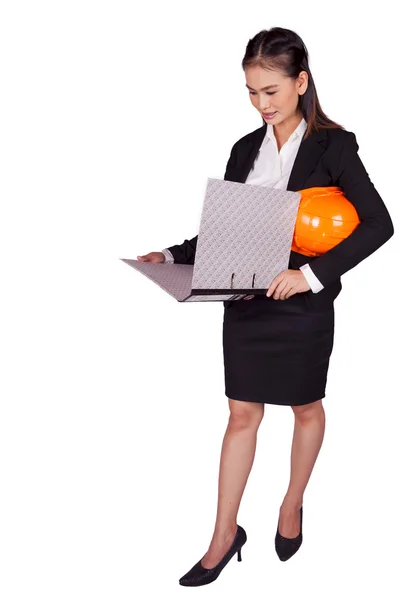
pixel 286 547
pixel 199 575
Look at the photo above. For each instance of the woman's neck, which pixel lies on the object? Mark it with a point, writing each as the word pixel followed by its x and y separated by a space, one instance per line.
pixel 284 130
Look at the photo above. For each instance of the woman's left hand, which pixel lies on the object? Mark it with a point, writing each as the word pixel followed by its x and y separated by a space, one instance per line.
pixel 287 283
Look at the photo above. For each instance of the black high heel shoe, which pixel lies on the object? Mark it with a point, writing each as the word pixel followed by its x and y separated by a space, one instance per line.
pixel 286 547
pixel 199 575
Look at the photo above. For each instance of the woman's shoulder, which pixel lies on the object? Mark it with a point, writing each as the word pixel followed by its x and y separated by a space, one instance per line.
pixel 342 141
pixel 250 138
pixel 337 134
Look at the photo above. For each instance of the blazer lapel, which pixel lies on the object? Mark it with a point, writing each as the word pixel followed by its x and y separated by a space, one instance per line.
pixel 309 153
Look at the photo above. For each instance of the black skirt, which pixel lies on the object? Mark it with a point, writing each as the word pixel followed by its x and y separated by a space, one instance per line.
pixel 277 351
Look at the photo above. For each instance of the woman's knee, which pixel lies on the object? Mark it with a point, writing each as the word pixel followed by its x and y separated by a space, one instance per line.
pixel 306 411
pixel 245 414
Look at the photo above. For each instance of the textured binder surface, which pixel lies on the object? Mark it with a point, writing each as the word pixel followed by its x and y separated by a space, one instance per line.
pixel 246 230
pixel 244 241
pixel 174 279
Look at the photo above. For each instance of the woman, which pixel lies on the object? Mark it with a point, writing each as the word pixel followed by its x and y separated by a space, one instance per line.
pixel 277 346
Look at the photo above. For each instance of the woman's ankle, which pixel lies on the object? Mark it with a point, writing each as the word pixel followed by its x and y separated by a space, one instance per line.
pixel 223 532
pixel 292 503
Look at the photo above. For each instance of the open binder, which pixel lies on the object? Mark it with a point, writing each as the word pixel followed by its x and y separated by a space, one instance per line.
pixel 244 242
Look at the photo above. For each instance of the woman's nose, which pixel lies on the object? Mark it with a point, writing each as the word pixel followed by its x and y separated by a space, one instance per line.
pixel 264 108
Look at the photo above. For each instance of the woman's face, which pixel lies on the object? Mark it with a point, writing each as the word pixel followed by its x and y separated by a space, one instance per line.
pixel 282 95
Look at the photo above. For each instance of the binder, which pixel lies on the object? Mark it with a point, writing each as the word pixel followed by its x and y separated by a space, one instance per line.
pixel 244 242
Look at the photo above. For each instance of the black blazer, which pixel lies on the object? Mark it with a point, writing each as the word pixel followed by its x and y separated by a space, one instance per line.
pixel 326 158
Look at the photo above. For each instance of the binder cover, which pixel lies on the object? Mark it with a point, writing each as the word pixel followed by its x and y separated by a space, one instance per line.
pixel 244 241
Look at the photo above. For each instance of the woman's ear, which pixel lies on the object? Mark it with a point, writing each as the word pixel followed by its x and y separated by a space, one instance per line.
pixel 302 82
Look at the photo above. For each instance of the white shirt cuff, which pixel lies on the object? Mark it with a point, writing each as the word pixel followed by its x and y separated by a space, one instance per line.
pixel 312 280
pixel 169 258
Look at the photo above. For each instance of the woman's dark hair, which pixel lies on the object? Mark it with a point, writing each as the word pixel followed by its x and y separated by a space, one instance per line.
pixel 283 50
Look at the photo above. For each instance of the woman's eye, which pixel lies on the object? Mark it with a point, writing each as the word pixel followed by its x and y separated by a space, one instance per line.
pixel 269 93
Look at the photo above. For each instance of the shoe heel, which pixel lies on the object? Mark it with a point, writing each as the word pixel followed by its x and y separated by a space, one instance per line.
pixel 240 555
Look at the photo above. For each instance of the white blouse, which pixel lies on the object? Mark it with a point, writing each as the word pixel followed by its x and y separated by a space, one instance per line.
pixel 272 168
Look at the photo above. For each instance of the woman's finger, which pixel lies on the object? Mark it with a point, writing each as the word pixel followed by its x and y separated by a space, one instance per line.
pixel 290 292
pixel 274 283
pixel 280 288
pixel 284 291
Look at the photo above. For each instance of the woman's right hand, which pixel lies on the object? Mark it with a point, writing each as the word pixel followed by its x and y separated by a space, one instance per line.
pixel 154 257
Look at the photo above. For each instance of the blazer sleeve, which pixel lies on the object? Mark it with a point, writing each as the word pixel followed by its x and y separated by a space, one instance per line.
pixel 375 227
pixel 184 253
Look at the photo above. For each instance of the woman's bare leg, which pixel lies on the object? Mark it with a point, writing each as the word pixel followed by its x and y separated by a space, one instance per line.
pixel 308 434
pixel 237 456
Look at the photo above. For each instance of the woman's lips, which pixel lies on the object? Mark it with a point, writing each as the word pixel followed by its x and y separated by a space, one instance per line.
pixel 269 115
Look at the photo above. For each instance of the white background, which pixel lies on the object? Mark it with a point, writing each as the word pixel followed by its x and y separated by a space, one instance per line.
pixel 114 114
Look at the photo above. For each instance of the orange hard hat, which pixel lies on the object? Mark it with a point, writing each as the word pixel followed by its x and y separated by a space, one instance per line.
pixel 325 218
